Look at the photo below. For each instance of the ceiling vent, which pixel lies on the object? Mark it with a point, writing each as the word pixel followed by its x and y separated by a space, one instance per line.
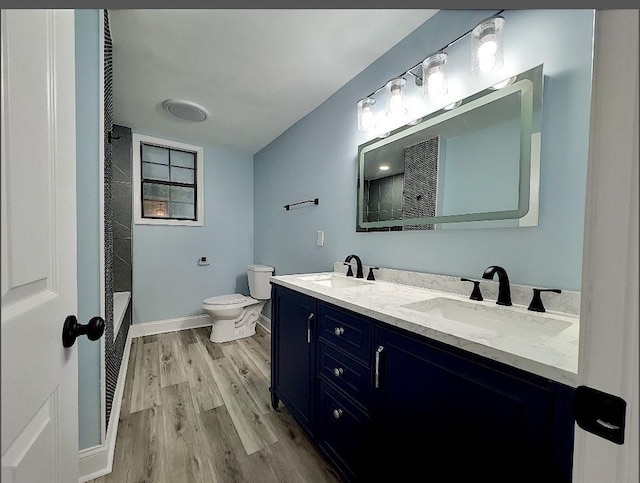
pixel 185 110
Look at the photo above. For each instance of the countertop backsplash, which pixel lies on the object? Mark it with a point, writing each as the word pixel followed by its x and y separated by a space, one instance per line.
pixel 567 302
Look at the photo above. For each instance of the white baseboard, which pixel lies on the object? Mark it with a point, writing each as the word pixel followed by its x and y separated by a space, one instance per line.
pixel 169 325
pixel 98 460
pixel 93 462
pixel 264 322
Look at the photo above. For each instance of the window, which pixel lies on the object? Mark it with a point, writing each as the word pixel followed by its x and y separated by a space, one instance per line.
pixel 167 180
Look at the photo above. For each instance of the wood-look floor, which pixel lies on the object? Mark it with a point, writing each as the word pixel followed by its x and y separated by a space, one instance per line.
pixel 195 411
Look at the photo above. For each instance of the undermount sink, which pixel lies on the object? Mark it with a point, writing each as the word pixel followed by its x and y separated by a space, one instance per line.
pixel 334 281
pixel 498 318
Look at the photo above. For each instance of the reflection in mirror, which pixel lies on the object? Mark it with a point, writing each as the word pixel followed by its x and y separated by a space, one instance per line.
pixel 475 165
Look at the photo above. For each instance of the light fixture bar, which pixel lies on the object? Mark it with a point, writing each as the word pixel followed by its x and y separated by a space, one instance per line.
pixel 418 78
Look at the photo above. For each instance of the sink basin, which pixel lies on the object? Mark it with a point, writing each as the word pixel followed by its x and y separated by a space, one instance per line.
pixel 334 281
pixel 498 318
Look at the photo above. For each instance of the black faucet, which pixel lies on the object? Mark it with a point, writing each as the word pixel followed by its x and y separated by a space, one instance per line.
pixel 359 273
pixel 504 292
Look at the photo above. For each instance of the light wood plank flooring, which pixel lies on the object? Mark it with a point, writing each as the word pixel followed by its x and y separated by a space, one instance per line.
pixel 194 411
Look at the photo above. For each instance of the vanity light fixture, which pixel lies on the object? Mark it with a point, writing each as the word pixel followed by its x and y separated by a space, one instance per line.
pixel 487 54
pixel 453 105
pixel 504 83
pixel 383 167
pixel 434 76
pixel 396 97
pixel 366 120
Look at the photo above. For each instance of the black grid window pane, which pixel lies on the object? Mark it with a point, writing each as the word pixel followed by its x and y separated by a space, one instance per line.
pixel 169 189
pixel 155 154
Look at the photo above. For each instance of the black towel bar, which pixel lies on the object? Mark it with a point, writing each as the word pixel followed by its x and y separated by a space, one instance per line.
pixel 315 201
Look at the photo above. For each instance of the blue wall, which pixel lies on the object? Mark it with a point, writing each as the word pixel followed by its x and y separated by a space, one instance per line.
pixel 88 209
pixel 167 282
pixel 316 157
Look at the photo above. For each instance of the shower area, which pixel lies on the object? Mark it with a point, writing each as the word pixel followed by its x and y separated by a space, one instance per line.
pixel 118 297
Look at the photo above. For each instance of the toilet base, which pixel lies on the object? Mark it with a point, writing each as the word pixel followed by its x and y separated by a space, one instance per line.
pixel 238 328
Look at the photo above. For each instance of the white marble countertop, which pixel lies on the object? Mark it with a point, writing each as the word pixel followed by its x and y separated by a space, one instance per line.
pixel 549 353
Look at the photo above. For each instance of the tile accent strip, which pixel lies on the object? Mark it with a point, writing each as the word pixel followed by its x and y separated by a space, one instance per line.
pixel 114 349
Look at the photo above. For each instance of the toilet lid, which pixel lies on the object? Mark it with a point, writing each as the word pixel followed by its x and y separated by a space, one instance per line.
pixel 225 299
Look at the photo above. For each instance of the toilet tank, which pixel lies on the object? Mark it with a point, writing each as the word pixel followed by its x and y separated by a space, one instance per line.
pixel 259 286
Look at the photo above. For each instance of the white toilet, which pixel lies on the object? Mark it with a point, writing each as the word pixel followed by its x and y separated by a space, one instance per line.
pixel 235 316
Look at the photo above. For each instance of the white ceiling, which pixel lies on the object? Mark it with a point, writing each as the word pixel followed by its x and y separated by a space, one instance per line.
pixel 256 71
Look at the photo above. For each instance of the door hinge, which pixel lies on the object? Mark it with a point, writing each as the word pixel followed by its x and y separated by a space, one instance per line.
pixel 600 413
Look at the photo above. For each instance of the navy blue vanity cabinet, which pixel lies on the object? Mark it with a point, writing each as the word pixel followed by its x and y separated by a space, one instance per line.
pixel 385 404
pixel 293 354
pixel 455 418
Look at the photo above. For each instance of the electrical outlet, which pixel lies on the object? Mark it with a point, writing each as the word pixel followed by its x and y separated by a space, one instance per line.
pixel 320 241
pixel 202 262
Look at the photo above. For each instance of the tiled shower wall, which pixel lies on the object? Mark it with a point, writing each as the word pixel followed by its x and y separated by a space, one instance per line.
pixel 122 215
pixel 119 211
pixel 384 198
pixel 420 181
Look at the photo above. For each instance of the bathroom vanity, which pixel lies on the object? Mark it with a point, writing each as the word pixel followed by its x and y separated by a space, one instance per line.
pixel 391 382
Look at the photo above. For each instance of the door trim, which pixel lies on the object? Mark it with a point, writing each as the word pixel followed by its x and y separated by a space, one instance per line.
pixel 103 375
pixel 608 359
pixel 98 460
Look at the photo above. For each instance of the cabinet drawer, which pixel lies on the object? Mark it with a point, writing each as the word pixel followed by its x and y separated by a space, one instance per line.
pixel 350 333
pixel 349 375
pixel 345 432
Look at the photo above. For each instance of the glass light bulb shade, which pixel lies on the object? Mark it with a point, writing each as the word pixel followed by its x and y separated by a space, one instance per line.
pixel 487 51
pixel 434 74
pixel 396 97
pixel 366 118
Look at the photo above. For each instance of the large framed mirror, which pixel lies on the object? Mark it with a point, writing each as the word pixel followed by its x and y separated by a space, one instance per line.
pixel 473 164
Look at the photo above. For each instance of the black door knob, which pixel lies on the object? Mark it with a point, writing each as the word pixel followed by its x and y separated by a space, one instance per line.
pixel 72 329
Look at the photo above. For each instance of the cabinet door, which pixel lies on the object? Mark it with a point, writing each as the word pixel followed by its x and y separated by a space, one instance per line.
pixel 454 419
pixel 292 353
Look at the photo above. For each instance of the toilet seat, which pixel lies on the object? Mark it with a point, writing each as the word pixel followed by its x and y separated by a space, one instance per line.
pixel 229 301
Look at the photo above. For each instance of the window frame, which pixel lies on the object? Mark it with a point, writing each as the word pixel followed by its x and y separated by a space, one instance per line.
pixel 138 219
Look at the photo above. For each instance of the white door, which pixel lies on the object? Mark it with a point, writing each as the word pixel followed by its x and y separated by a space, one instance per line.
pixel 609 313
pixel 39 286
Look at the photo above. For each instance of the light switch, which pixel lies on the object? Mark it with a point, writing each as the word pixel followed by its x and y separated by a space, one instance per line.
pixel 320 241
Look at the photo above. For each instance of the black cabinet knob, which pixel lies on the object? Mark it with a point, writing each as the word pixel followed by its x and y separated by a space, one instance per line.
pixel 72 330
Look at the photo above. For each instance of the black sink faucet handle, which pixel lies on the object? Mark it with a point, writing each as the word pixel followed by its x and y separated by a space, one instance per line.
pixel 371 269
pixel 349 271
pixel 475 293
pixel 536 302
